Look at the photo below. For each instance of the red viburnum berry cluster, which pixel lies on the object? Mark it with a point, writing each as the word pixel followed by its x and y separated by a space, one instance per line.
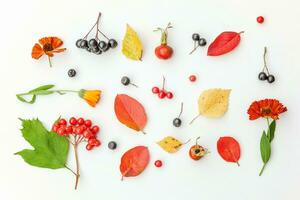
pixel 162 93
pixel 81 130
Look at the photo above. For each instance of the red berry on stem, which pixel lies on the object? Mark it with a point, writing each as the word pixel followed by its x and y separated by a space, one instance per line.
pixel 80 121
pixel 155 90
pixel 193 78
pixel 95 129
pixel 158 163
pixel 88 123
pixel 94 142
pixel 61 131
pixel 79 130
pixel 55 127
pixel 83 127
pixel 169 95
pixel 162 94
pixel 260 19
pixel 89 147
pixel 69 129
pixel 73 121
pixel 87 134
pixel 62 122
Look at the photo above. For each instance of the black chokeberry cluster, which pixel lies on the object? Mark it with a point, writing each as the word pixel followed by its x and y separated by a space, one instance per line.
pixel 198 41
pixel 95 45
pixel 265 74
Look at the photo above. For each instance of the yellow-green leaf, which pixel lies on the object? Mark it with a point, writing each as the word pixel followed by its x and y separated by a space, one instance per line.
pixel 132 47
pixel 213 103
pixel 170 144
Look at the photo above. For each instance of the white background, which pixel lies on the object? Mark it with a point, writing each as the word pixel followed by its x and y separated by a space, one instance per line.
pixel 24 22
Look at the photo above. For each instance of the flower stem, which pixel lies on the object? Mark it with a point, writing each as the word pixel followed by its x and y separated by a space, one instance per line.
pixel 49 59
pixel 262 169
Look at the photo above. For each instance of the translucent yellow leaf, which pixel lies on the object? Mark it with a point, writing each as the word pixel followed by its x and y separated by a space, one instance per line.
pixel 170 144
pixel 213 103
pixel 132 47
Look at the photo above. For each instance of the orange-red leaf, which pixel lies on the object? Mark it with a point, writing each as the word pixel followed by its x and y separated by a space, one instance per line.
pixel 229 149
pixel 134 161
pixel 130 112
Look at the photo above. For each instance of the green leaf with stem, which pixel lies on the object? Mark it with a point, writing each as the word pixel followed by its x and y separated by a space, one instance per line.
pixel 271 129
pixel 265 150
pixel 43 87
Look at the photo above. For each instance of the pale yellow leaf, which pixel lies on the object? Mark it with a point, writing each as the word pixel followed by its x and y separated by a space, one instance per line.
pixel 213 103
pixel 132 47
pixel 170 144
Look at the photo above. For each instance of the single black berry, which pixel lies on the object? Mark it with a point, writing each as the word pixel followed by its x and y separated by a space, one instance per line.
pixel 196 37
pixel 95 49
pixel 202 42
pixel 106 48
pixel 112 145
pixel 98 52
pixel 93 43
pixel 78 43
pixel 271 78
pixel 72 72
pixel 125 80
pixel 262 76
pixel 112 43
pixel 102 45
pixel 84 44
pixel 177 122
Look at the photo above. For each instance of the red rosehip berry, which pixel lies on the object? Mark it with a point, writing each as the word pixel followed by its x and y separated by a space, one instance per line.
pixel 169 95
pixel 80 121
pixel 158 163
pixel 260 19
pixel 87 134
pixel 95 129
pixel 88 123
pixel 62 122
pixel 55 127
pixel 162 94
pixel 73 121
pixel 193 78
pixel 155 90
pixel 89 147
pixel 61 131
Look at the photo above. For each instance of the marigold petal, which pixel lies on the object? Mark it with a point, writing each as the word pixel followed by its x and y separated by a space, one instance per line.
pixel 45 40
pixel 56 42
pixel 37 51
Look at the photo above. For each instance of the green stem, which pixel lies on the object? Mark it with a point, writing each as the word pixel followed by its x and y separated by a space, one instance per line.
pixel 262 169
pixel 74 91
pixel 268 122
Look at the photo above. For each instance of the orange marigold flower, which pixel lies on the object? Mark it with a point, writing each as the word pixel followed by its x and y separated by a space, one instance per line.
pixel 92 97
pixel 266 108
pixel 48 46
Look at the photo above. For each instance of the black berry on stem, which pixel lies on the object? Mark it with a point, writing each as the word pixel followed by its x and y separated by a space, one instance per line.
pixel 177 121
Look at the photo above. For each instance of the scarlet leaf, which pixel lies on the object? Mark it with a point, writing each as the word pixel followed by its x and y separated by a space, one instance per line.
pixel 224 43
pixel 130 112
pixel 229 149
pixel 134 161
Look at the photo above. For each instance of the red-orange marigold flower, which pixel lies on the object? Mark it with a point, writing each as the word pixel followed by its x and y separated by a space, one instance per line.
pixel 48 46
pixel 266 108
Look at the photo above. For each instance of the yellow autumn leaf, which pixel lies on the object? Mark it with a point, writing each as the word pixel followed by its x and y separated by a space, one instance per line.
pixel 170 144
pixel 132 47
pixel 213 103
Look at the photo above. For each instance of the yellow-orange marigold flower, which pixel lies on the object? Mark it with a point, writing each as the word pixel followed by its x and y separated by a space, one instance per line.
pixel 92 97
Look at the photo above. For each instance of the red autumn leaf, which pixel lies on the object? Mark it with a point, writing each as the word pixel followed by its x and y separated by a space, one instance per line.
pixel 134 161
pixel 229 149
pixel 130 112
pixel 224 43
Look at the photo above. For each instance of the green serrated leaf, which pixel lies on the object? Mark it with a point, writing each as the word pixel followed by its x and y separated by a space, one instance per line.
pixel 20 98
pixel 265 148
pixel 271 130
pixel 43 87
pixel 50 149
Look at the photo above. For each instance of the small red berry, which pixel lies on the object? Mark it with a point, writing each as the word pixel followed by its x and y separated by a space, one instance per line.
pixel 260 19
pixel 80 121
pixel 74 129
pixel 155 90
pixel 88 123
pixel 62 122
pixel 158 163
pixel 193 78
pixel 95 129
pixel 87 134
pixel 170 95
pixel 79 130
pixel 162 94
pixel 83 127
pixel 55 127
pixel 61 131
pixel 69 129
pixel 73 121
pixel 94 142
pixel 89 147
